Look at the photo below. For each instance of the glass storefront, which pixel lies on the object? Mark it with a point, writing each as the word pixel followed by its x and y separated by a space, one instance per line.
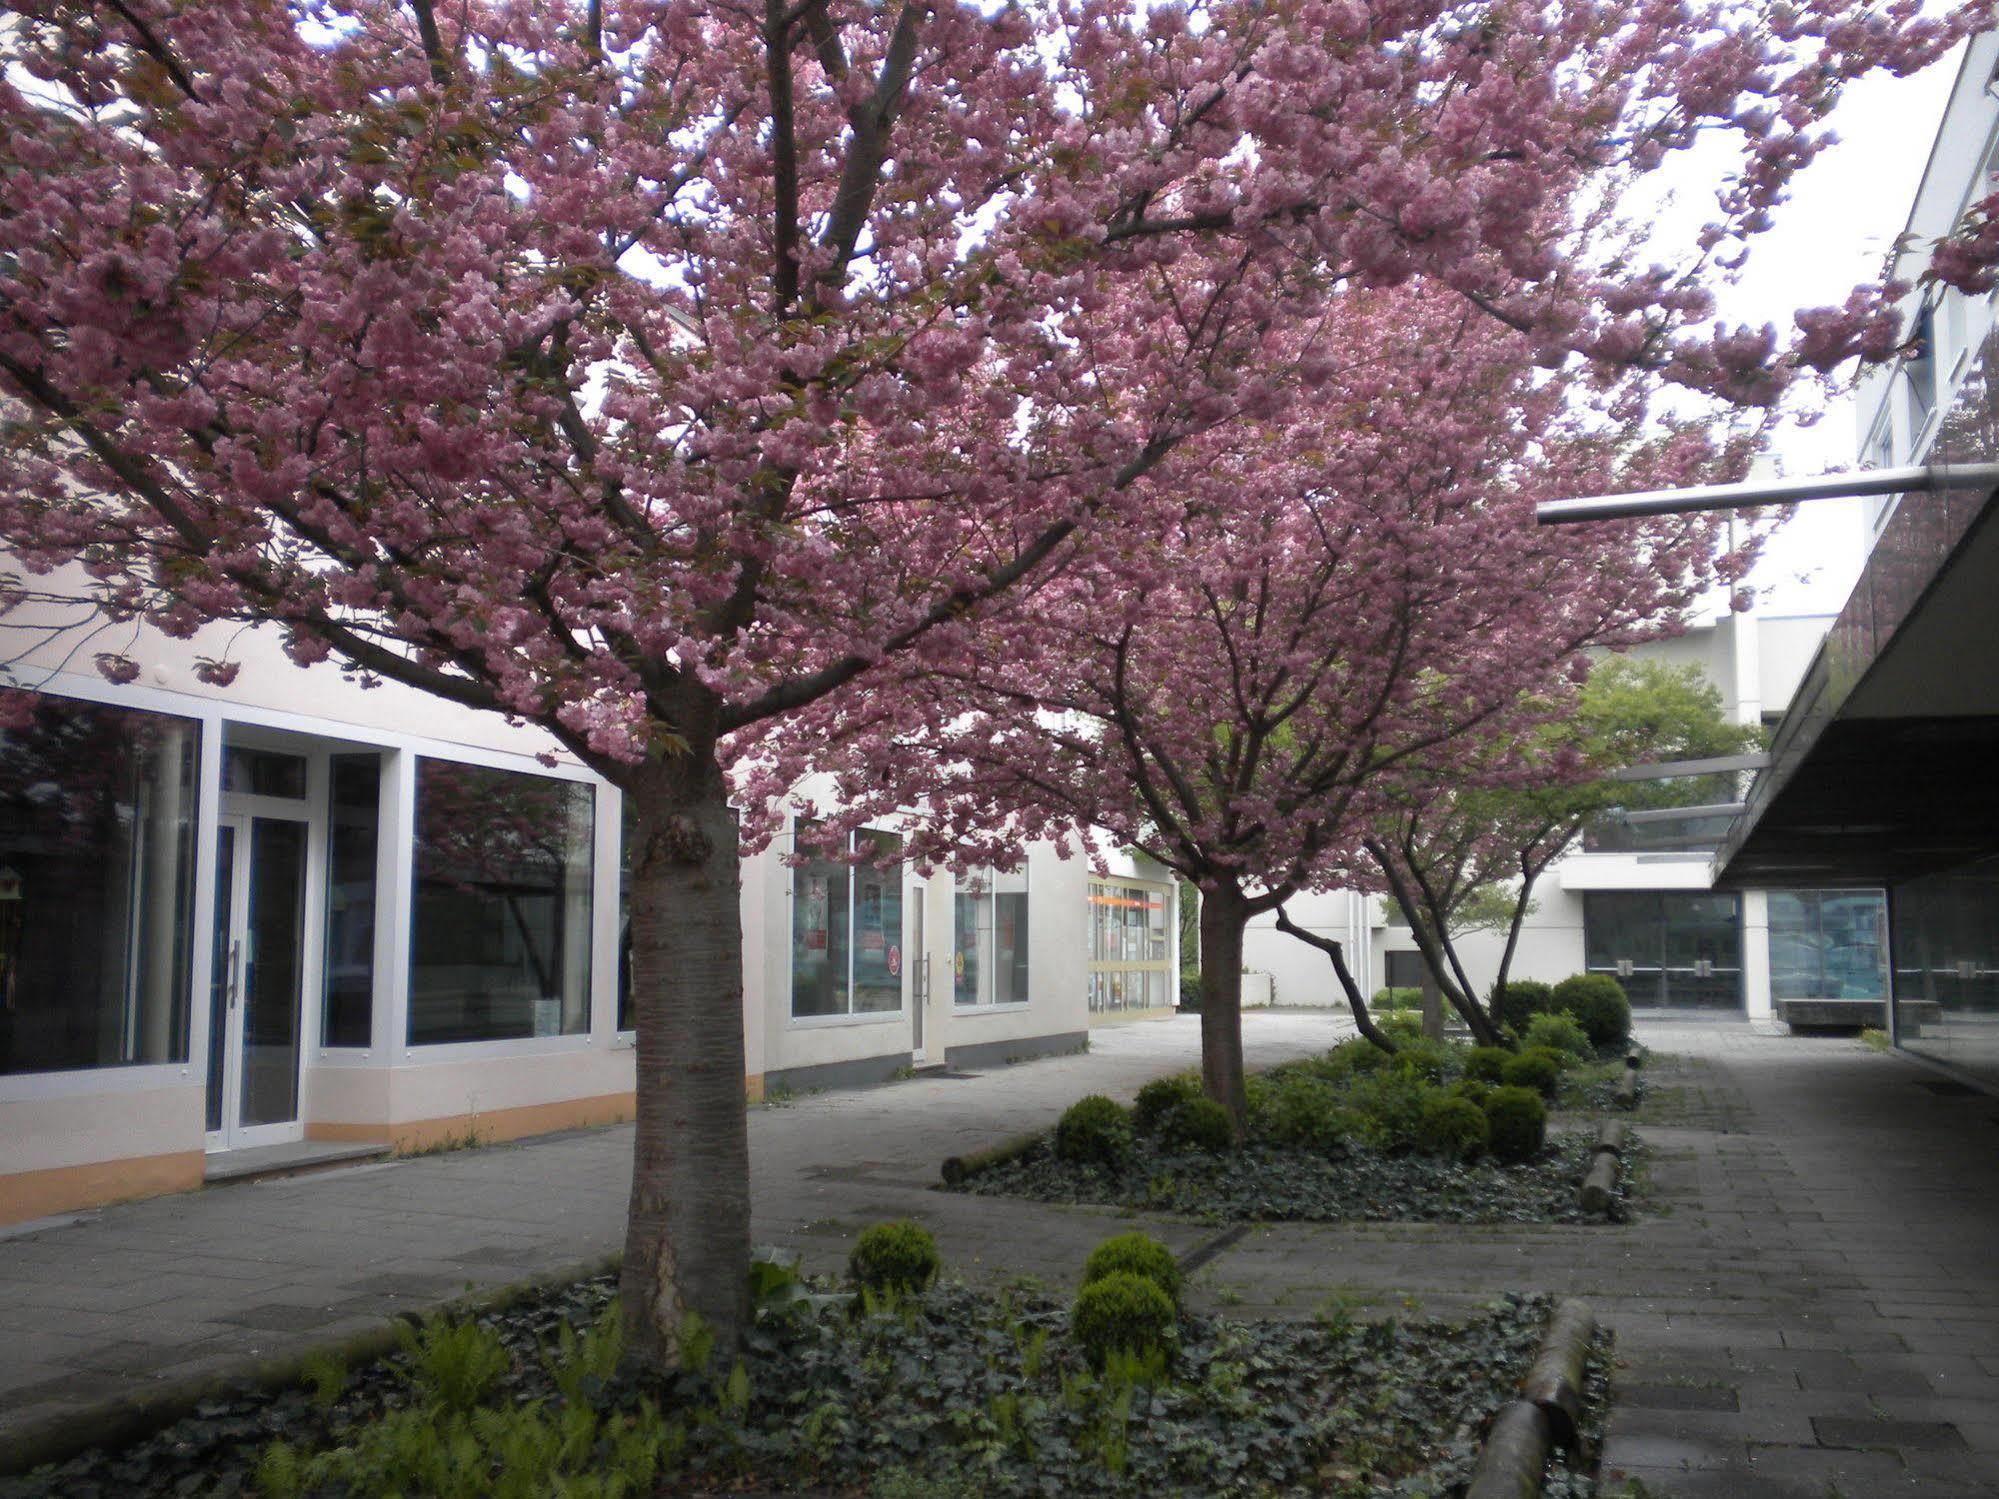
pixel 500 935
pixel 1946 951
pixel 1679 948
pixel 846 929
pixel 1129 963
pixel 97 847
pixel 353 829
pixel 1828 944
pixel 989 939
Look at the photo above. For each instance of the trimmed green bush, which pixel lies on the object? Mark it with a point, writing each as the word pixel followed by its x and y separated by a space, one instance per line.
pixel 1344 1061
pixel 1387 1000
pixel 1516 1124
pixel 899 1256
pixel 1301 1110
pixel 1135 1254
pixel 1093 1130
pixel 1159 1098
pixel 1429 1060
pixel 1452 1127
pixel 1558 1033
pixel 1483 1064
pixel 1123 1313
pixel 1401 1027
pixel 1477 1089
pixel 1199 1124
pixel 1597 1001
pixel 1392 1104
pixel 1190 991
pixel 1537 1070
pixel 1523 999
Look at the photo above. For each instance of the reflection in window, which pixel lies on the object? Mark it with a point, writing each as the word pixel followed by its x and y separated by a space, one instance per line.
pixel 989 939
pixel 500 938
pixel 1946 949
pixel 846 927
pixel 97 818
pixel 1827 944
pixel 1128 946
pixel 1666 947
pixel 353 827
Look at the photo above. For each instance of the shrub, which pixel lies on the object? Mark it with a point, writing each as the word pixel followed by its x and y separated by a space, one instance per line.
pixel 1557 1033
pixel 1159 1098
pixel 1135 1254
pixel 1302 1111
pixel 1386 1000
pixel 1537 1070
pixel 1401 1027
pixel 1598 1003
pixel 1477 1089
pixel 1190 991
pixel 899 1256
pixel 1346 1060
pixel 1516 1123
pixel 1200 1124
pixel 1523 999
pixel 1428 1059
pixel 1484 1064
pixel 1452 1127
pixel 1122 1313
pixel 1391 1102
pixel 1093 1130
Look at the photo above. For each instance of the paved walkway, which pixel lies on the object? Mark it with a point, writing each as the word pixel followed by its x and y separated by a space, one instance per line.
pixel 1810 1307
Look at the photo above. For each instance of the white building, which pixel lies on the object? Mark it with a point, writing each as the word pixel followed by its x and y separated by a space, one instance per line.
pixel 1638 901
pixel 294 913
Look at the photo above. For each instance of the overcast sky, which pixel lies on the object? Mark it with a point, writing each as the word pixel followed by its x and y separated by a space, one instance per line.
pixel 1844 212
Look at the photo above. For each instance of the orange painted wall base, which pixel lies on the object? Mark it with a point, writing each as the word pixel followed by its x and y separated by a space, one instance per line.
pixel 64 1189
pixel 482 1128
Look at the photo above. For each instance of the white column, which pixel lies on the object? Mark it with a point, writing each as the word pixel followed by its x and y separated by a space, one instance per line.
pixel 1756 954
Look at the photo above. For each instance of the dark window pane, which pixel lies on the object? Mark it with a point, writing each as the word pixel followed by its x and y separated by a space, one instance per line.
pixel 1946 949
pixel 271 971
pixel 819 933
pixel 627 842
pixel 97 841
pixel 256 772
pixel 878 924
pixel 500 944
pixel 221 974
pixel 354 825
pixel 1666 947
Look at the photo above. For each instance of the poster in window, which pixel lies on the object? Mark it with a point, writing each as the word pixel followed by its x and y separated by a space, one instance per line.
pixel 871 917
pixel 815 913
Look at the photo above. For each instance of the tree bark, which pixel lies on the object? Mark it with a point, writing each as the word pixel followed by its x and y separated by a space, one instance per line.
pixel 1223 917
pixel 1356 1002
pixel 1433 1004
pixel 687 1239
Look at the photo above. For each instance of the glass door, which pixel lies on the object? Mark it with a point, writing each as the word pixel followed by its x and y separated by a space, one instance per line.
pixel 257 994
pixel 919 966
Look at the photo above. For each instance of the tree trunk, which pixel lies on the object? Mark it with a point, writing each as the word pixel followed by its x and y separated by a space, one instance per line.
pixel 1363 1021
pixel 687 1240
pixel 1433 1004
pixel 1223 918
pixel 1519 919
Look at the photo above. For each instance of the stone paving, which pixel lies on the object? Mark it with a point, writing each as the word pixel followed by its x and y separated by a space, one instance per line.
pixel 1809 1305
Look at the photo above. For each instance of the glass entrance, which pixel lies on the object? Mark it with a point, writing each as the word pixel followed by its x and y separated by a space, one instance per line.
pixel 257 993
pixel 1667 947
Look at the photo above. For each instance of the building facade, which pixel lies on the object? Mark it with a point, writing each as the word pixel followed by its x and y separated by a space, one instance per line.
pixel 1638 900
pixel 1882 772
pixel 298 911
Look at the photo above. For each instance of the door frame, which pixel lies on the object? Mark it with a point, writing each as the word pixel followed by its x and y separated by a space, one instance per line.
pixel 240 810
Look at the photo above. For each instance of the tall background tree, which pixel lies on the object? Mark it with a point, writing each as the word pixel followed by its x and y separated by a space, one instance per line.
pixel 649 371
pixel 1462 853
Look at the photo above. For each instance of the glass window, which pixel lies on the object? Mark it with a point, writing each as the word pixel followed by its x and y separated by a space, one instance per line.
pixel 989 939
pixel 1946 950
pixel 1666 947
pixel 256 772
pixel 97 842
pixel 1827 944
pixel 846 927
pixel 1128 946
pixel 628 828
pixel 353 832
pixel 500 936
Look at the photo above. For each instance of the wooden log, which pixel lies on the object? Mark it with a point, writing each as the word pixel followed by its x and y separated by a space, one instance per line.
pixel 1627 1090
pixel 1516 1453
pixel 958 1167
pixel 1555 1383
pixel 1610 1135
pixel 1599 1188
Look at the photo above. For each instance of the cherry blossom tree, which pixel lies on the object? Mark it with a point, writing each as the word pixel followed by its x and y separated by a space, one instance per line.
pixel 1339 611
pixel 649 370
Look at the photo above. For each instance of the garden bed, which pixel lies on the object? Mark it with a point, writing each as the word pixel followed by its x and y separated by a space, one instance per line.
pixel 945 1393
pixel 1436 1133
pixel 1276 1183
